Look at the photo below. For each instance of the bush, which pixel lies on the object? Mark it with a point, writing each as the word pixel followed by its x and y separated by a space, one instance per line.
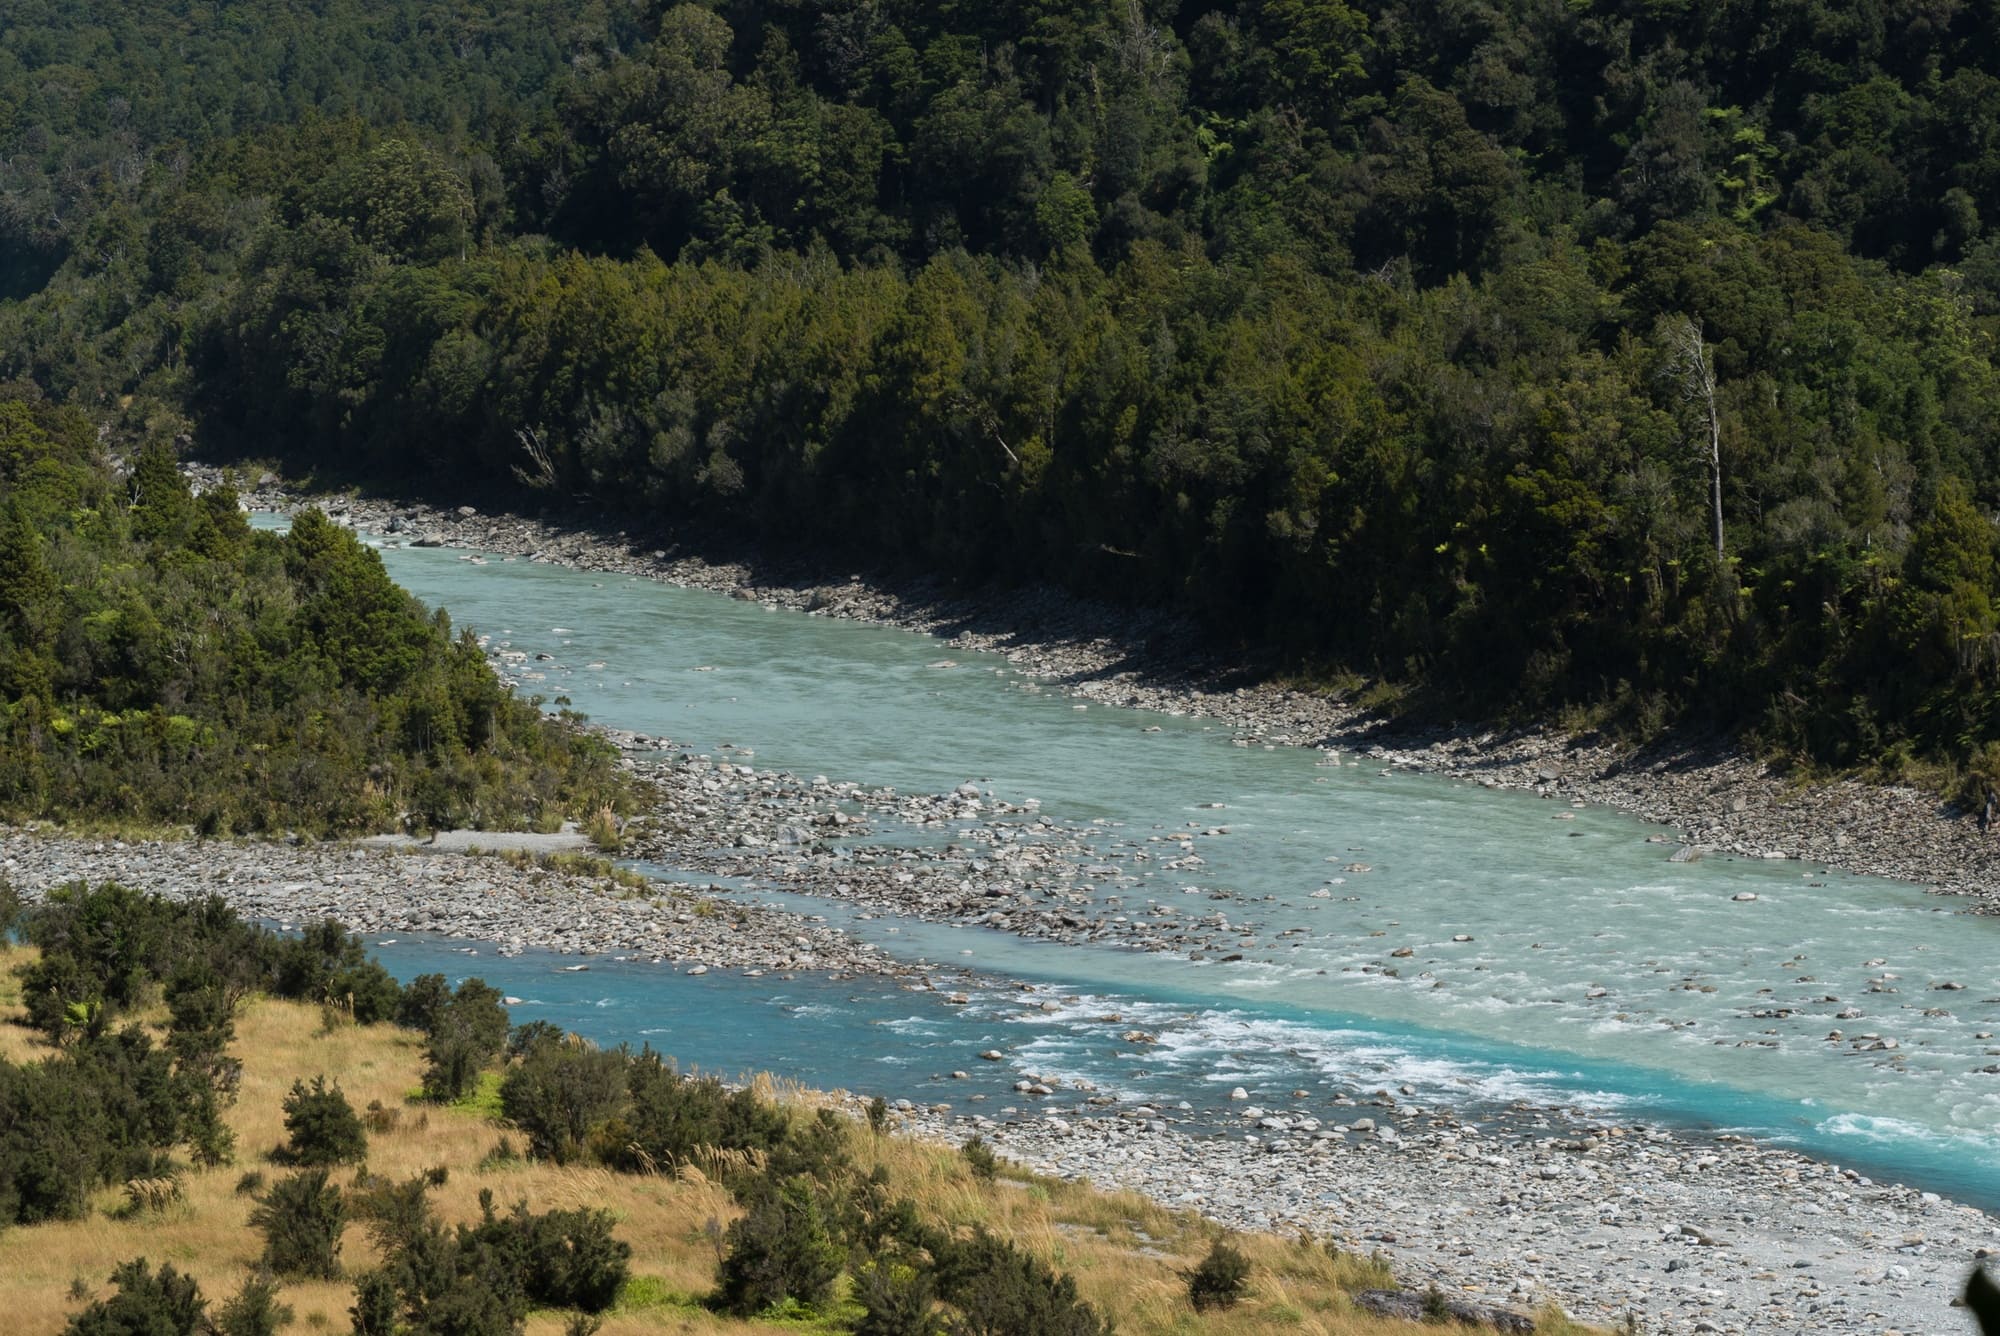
pixel 980 1158
pixel 570 1259
pixel 1221 1278
pixel 321 1126
pixel 146 1304
pixel 559 1093
pixel 897 1299
pixel 376 1306
pixel 254 1310
pixel 781 1250
pixel 467 1032
pixel 1001 1291
pixel 424 997
pixel 672 1118
pixel 326 964
pixel 301 1218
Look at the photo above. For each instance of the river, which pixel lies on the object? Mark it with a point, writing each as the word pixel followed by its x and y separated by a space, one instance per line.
pixel 1556 957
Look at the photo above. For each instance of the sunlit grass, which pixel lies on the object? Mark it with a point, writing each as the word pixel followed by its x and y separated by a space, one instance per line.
pixel 1125 1251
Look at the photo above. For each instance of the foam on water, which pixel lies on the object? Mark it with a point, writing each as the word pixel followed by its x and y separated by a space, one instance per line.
pixel 1597 972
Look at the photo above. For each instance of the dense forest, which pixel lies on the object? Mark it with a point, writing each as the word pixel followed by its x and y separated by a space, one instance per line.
pixel 1630 358
pixel 160 662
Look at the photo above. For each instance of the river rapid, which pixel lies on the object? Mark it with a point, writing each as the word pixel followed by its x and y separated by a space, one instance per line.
pixel 1455 946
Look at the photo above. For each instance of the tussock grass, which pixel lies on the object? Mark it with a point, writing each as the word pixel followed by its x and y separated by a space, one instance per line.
pixel 1126 1252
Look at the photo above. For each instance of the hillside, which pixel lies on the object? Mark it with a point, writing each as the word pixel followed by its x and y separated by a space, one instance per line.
pixel 161 663
pixel 1631 362
pixel 1126 1254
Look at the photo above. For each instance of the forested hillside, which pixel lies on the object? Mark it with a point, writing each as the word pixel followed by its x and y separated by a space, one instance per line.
pixel 1421 340
pixel 160 662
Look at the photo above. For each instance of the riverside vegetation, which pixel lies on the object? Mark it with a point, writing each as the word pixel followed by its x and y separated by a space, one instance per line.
pixel 644 1200
pixel 160 663
pixel 1631 360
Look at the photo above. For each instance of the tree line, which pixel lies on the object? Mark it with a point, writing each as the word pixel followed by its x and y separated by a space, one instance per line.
pixel 1620 361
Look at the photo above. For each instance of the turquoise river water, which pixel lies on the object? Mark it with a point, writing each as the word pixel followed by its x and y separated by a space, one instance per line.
pixel 1598 974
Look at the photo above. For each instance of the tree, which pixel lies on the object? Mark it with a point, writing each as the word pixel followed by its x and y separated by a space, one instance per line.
pixel 1693 371
pixel 781 1249
pixel 148 1303
pixel 321 1127
pixel 253 1310
pixel 302 1218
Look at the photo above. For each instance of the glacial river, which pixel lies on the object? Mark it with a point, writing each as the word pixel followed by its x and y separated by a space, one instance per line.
pixel 1597 974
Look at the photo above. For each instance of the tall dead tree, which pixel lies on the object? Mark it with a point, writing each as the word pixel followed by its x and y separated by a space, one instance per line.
pixel 1694 371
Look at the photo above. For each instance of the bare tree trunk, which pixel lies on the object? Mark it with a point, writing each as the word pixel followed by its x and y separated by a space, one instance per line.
pixel 1697 375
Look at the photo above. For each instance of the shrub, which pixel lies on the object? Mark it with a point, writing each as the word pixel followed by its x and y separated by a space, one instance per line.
pixel 424 997
pixel 376 1306
pixel 897 1299
pixel 165 1303
pixel 570 1259
pixel 781 1249
pixel 980 1158
pixel 466 1033
pixel 1001 1291
pixel 253 1310
pixel 878 1115
pixel 1221 1278
pixel 251 1183
pixel 301 1218
pixel 559 1092
pixel 321 1126
pixel 326 964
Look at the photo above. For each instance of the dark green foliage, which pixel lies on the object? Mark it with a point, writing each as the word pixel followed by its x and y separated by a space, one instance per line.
pixel 148 1303
pixel 316 695
pixel 325 963
pixel 375 1304
pixel 635 1112
pixel 113 1103
pixel 998 1290
pixel 1220 1279
pixel 559 1092
pixel 467 1031
pixel 897 1299
pixel 321 1127
pixel 480 1280
pixel 253 1310
pixel 780 1249
pixel 980 1159
pixel 424 999
pixel 301 1218
pixel 1337 326
pixel 568 1259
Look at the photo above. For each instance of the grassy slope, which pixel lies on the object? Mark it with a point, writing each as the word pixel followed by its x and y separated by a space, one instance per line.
pixel 1124 1251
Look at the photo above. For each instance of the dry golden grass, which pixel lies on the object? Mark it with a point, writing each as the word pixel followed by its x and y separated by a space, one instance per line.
pixel 1125 1251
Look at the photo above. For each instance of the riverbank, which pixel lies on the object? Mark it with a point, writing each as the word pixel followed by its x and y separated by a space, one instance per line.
pixel 570 907
pixel 1686 1233
pixel 1609 1221
pixel 1717 800
pixel 785 832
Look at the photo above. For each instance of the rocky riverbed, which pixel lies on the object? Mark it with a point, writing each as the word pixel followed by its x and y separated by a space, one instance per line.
pixel 511 903
pixel 1609 1221
pixel 1685 1233
pixel 1716 798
